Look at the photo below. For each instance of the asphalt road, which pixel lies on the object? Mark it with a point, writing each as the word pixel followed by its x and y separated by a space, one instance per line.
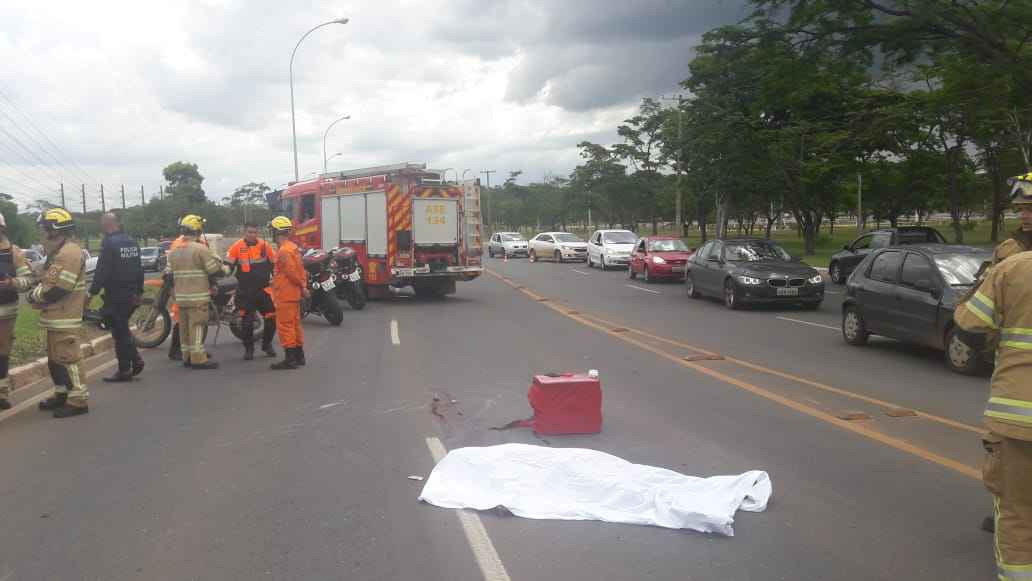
pixel 243 473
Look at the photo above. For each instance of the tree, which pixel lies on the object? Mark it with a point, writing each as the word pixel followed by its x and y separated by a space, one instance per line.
pixel 184 181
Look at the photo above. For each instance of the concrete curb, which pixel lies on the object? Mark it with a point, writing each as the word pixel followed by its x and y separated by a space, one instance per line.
pixel 29 373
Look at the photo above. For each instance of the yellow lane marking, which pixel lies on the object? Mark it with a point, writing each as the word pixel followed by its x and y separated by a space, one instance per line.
pixel 890 441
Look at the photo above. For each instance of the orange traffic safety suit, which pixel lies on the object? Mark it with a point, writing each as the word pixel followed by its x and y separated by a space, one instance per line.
pixel 288 283
pixel 1003 305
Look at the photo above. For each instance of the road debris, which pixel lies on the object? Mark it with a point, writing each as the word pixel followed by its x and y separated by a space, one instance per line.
pixel 853 416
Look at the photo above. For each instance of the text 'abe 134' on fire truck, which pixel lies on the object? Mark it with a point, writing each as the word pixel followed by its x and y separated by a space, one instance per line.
pixel 406 225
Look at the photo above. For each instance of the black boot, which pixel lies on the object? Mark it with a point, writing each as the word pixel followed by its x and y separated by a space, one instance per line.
pixel 175 350
pixel 299 356
pixel 5 404
pixel 289 360
pixel 70 411
pixel 120 376
pixel 268 332
pixel 209 364
pixel 248 351
pixel 53 402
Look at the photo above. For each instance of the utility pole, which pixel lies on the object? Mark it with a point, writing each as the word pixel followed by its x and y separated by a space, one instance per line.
pixel 859 202
pixel 103 202
pixel 143 201
pixel 84 200
pixel 62 196
pixel 123 196
pixel 488 173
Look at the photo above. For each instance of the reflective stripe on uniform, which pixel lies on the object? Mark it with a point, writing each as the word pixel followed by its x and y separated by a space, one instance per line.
pixel 23 271
pixel 984 308
pixel 9 311
pixel 189 274
pixel 68 277
pixel 192 297
pixel 1016 337
pixel 1014 572
pixel 1012 410
pixel 60 323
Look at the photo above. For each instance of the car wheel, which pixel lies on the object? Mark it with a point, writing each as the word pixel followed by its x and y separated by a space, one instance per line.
pixel 648 277
pixel 731 299
pixel 604 267
pixel 960 357
pixel 835 272
pixel 532 256
pixel 854 329
pixel 591 264
pixel 689 287
pixel 558 256
pixel 630 272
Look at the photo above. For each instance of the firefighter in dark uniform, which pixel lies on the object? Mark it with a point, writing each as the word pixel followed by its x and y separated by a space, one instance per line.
pixel 251 260
pixel 120 274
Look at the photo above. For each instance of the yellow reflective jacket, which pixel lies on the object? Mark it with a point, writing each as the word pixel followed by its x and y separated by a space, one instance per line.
pixel 1003 305
pixel 61 294
pixel 191 265
pixel 23 280
pixel 1020 241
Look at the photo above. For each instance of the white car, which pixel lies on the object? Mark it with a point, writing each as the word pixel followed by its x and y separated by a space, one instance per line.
pixel 611 248
pixel 557 246
pixel 508 244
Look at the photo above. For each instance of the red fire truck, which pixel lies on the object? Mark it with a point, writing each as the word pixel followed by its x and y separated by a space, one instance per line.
pixel 407 226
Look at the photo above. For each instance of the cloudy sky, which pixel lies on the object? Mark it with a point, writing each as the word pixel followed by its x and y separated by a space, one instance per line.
pixel 111 91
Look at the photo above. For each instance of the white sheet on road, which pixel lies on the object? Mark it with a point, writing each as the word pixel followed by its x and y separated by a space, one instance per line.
pixel 578 484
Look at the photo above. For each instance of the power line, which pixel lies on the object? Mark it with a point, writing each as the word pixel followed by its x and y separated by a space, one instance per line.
pixel 46 138
pixel 37 183
pixel 39 160
pixel 36 143
pixel 19 191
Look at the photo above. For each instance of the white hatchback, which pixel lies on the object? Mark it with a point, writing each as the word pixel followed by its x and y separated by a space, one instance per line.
pixel 611 248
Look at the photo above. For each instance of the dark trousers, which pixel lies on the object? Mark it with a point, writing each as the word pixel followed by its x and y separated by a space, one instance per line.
pixel 251 303
pixel 116 315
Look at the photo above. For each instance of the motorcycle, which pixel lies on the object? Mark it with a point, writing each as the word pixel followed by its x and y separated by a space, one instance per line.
pixel 322 283
pixel 350 286
pixel 151 322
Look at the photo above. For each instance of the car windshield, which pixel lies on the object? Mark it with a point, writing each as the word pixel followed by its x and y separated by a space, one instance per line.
pixel 148 251
pixel 754 251
pixel 567 238
pixel 511 238
pixel 668 246
pixel 619 237
pixel 960 269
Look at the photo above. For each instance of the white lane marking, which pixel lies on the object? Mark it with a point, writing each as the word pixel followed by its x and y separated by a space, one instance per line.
pixel 581 272
pixel 32 401
pixel 327 406
pixel 395 339
pixel 483 549
pixel 801 322
pixel 648 290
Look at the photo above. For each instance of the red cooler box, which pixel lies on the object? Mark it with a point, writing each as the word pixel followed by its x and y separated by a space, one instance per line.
pixel 568 403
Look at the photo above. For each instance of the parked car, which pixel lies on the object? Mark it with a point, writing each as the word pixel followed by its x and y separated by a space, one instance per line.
pixel 165 245
pixel 909 293
pixel 558 246
pixel 659 257
pixel 35 260
pixel 611 248
pixel 747 271
pixel 153 258
pixel 508 244
pixel 843 262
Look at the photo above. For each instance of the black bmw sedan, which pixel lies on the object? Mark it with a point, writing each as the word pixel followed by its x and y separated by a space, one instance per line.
pixel 746 271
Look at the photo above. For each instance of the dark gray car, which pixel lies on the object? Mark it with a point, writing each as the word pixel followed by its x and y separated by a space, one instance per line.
pixel 843 262
pixel 749 271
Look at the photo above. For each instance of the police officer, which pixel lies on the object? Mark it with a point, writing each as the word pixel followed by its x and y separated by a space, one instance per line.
pixel 251 259
pixel 61 298
pixel 120 274
pixel 192 265
pixel 15 277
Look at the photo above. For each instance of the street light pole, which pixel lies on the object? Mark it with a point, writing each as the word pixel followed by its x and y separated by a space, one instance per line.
pixel 293 120
pixel 327 132
pixel 338 154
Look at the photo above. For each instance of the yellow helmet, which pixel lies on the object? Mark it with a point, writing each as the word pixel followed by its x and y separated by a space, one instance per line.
pixel 192 223
pixel 56 219
pixel 1021 193
pixel 281 225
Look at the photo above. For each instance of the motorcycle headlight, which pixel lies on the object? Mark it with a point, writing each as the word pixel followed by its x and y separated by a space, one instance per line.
pixel 749 280
pixel 816 279
pixel 658 260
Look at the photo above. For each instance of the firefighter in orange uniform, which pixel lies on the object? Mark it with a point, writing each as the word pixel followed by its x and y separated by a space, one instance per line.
pixel 289 286
pixel 252 259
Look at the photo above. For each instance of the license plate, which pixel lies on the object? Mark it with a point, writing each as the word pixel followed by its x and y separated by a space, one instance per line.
pixel 788 292
pixel 328 284
pixel 676 269
pixel 354 276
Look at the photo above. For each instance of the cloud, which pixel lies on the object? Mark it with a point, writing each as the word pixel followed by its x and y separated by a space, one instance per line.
pixel 124 87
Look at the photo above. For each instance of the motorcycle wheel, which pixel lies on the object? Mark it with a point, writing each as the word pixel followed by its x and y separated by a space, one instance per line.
pixel 331 309
pixel 356 296
pixel 150 324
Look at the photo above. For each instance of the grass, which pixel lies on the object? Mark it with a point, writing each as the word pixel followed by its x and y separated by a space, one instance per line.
pixel 975 234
